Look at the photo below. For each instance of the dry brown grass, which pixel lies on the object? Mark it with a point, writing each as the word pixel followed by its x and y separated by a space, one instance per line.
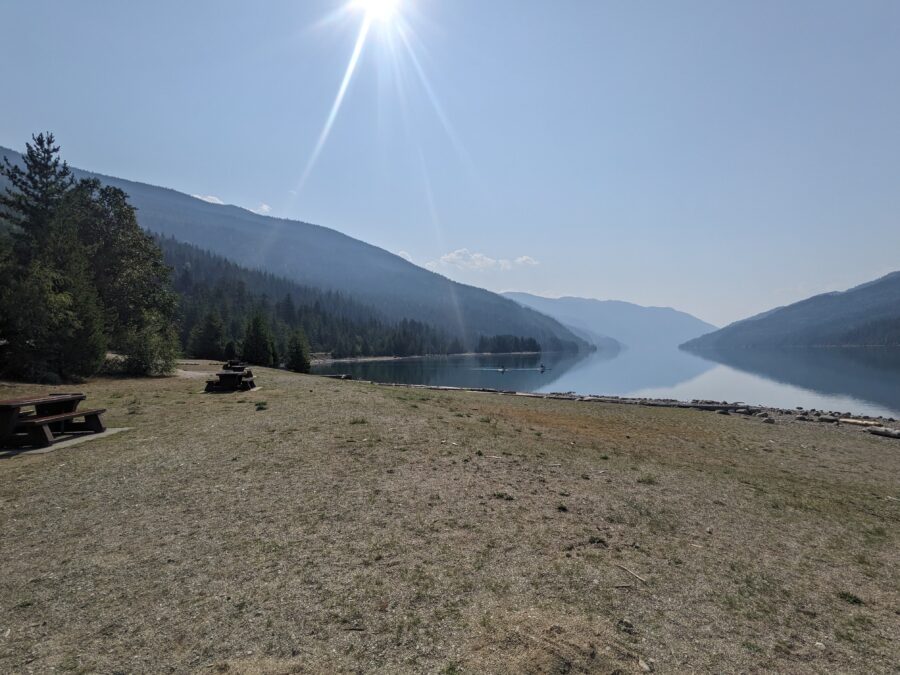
pixel 350 527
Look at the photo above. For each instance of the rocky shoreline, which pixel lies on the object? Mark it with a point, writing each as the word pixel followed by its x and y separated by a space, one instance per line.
pixel 766 414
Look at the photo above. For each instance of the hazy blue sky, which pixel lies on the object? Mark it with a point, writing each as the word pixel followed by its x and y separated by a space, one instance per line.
pixel 719 157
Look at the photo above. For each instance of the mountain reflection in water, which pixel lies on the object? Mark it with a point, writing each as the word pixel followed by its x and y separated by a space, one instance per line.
pixel 870 374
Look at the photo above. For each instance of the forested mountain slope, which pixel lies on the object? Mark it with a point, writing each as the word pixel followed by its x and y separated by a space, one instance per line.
pixel 867 315
pixel 208 284
pixel 321 257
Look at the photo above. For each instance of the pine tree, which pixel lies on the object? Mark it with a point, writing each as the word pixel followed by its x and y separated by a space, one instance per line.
pixel 26 324
pixel 8 299
pixel 76 343
pixel 53 327
pixel 258 347
pixel 298 352
pixel 231 351
pixel 208 338
pixel 34 194
pixel 286 310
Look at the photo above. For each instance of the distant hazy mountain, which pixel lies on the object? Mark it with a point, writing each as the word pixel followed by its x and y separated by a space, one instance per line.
pixel 321 257
pixel 630 324
pixel 867 315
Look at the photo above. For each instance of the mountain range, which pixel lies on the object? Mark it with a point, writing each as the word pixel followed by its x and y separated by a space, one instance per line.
pixel 627 324
pixel 866 315
pixel 318 256
pixel 395 289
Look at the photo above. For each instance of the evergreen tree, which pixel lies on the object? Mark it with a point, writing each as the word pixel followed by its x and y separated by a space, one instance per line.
pixel 27 323
pixel 208 338
pixel 231 351
pixel 8 320
pixel 286 310
pixel 58 313
pixel 298 352
pixel 150 348
pixel 129 273
pixel 257 347
pixel 75 339
pixel 35 193
pixel 52 327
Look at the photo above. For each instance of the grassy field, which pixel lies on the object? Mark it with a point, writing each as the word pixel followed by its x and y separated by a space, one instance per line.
pixel 322 526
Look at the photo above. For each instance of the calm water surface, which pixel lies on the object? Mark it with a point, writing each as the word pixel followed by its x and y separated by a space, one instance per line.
pixel 861 381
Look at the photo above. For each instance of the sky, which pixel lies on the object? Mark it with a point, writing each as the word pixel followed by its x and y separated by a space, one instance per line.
pixel 718 157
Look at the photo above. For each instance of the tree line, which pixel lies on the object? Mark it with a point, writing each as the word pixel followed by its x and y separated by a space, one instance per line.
pixel 507 344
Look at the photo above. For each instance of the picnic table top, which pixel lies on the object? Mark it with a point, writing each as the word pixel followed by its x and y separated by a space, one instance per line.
pixel 232 373
pixel 40 400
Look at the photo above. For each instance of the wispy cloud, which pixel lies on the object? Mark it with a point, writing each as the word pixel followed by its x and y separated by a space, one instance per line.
pixel 263 209
pixel 212 199
pixel 464 259
pixel 406 256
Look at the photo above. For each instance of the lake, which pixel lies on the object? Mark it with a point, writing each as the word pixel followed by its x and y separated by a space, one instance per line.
pixel 859 380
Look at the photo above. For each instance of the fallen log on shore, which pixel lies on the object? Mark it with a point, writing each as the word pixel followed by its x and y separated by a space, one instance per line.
pixel 859 423
pixel 884 431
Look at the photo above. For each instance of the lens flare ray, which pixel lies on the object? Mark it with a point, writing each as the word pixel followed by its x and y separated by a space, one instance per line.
pixel 338 100
pixel 432 97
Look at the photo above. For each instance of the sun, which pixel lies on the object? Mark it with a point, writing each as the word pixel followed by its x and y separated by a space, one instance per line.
pixel 379 10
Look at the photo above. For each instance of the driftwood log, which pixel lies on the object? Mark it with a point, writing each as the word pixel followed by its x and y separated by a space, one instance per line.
pixel 884 431
pixel 859 423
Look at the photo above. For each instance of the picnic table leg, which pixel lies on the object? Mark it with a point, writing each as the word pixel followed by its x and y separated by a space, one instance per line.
pixel 94 423
pixel 40 436
pixel 8 417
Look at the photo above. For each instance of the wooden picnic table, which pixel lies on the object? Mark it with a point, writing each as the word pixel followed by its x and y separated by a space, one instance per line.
pixel 232 380
pixel 230 377
pixel 52 414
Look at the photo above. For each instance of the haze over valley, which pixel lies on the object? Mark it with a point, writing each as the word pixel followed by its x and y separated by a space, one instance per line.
pixel 625 348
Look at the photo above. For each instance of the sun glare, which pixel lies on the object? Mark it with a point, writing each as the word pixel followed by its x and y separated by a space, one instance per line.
pixel 383 12
pixel 379 10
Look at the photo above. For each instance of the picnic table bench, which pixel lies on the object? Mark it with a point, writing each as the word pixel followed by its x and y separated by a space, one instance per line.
pixel 50 416
pixel 232 380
